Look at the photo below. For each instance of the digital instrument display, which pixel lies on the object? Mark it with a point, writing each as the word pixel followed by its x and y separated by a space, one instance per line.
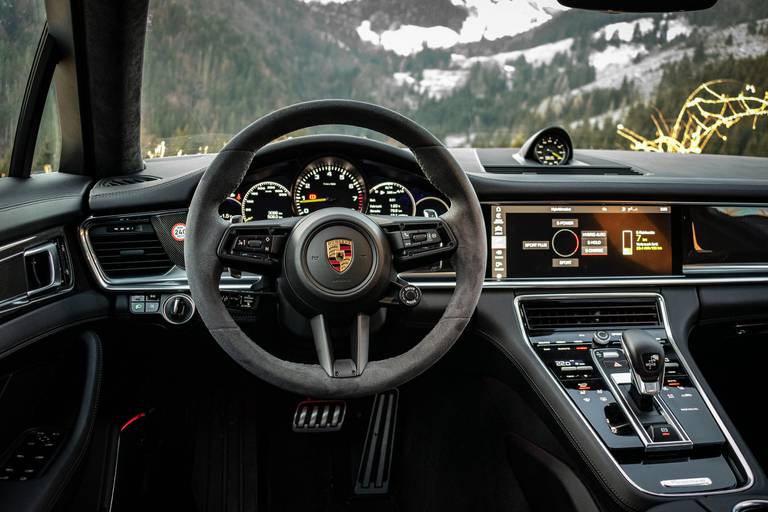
pixel 580 240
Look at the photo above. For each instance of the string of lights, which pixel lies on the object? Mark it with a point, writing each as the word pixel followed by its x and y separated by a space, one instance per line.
pixel 707 112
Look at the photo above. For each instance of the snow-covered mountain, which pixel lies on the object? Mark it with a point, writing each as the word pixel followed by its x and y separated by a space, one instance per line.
pixel 474 71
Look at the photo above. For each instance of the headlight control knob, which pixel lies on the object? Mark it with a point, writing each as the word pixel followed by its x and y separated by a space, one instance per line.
pixel 178 309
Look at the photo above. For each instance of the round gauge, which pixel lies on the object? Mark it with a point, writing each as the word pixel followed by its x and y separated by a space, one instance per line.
pixel 390 198
pixel 551 150
pixel 329 182
pixel 266 200
pixel 431 207
pixel 230 207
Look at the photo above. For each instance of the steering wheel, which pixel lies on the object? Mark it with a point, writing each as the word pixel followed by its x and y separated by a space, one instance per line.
pixel 335 265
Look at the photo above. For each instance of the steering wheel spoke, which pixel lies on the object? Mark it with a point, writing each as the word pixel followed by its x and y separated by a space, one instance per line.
pixel 255 246
pixel 418 241
pixel 359 344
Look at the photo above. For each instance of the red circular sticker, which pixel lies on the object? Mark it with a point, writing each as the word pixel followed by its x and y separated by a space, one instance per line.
pixel 179 231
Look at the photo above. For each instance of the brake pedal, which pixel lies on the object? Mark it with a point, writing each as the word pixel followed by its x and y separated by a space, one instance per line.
pixel 319 416
pixel 376 462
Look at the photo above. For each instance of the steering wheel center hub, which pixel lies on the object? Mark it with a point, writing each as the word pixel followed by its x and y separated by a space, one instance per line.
pixel 339 258
pixel 336 261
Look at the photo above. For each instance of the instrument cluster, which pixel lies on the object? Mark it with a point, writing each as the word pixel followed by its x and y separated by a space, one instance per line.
pixel 332 181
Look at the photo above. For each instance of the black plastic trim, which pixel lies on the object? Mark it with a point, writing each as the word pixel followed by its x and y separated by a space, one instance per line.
pixel 32 106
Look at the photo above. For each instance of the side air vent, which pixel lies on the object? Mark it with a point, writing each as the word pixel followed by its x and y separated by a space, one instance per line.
pixel 126 180
pixel 129 249
pixel 540 315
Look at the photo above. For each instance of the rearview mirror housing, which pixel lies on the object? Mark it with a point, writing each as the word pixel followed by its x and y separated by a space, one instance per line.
pixel 639 5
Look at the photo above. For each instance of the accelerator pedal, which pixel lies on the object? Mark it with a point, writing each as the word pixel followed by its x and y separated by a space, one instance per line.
pixel 376 462
pixel 319 416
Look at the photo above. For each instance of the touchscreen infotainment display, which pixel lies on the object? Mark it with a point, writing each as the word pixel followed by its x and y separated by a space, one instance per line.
pixel 579 240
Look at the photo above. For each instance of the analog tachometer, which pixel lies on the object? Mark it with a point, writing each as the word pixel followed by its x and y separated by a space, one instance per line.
pixel 329 182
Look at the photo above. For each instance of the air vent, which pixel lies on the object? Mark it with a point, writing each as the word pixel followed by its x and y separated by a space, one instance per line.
pixel 547 315
pixel 127 180
pixel 129 249
pixel 570 170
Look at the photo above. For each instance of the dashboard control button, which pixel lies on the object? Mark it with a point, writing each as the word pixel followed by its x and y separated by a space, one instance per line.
pixel 137 307
pixel 601 337
pixel 663 433
pixel 151 307
pixel 573 369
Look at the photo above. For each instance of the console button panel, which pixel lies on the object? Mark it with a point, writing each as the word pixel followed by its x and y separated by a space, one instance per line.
pixel 675 439
pixel 151 304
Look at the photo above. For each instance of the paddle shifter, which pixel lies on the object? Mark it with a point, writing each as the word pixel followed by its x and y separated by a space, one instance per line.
pixel 646 362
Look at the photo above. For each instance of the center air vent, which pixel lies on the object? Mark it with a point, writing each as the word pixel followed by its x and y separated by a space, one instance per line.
pixel 126 180
pixel 541 315
pixel 129 249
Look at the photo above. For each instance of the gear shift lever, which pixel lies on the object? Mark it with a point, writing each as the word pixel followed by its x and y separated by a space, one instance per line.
pixel 646 363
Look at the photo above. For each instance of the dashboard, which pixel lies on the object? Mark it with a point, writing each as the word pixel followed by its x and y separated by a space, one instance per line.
pixel 625 240
pixel 556 224
pixel 298 187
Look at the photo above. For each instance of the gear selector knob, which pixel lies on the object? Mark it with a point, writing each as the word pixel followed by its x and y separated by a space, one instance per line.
pixel 646 361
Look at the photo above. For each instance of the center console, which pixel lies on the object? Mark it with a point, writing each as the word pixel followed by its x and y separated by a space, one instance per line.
pixel 614 357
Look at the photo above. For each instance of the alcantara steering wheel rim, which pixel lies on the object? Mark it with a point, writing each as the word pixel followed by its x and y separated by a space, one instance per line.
pixel 207 232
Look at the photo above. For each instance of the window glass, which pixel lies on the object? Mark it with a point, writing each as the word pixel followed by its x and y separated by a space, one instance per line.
pixel 21 23
pixel 48 144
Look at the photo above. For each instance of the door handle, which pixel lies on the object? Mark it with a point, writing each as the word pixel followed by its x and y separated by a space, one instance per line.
pixel 39 261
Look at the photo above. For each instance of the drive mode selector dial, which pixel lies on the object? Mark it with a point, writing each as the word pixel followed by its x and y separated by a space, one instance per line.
pixel 601 337
pixel 565 243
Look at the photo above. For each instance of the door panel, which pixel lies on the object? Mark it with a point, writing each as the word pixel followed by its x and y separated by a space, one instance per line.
pixel 48 398
pixel 50 365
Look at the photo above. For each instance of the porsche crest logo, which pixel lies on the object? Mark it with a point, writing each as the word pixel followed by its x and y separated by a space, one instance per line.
pixel 340 254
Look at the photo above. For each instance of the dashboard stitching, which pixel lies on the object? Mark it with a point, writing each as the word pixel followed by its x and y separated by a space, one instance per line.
pixel 46 200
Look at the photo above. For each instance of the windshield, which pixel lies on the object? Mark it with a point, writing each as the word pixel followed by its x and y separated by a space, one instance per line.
pixel 474 72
